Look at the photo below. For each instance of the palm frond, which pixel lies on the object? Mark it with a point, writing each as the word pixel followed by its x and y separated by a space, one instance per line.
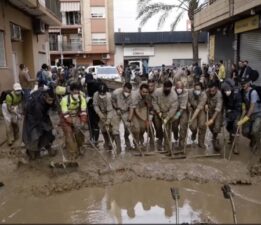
pixel 176 21
pixel 163 18
pixel 142 3
pixel 156 7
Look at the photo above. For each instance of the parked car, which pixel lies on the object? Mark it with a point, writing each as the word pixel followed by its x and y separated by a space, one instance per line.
pixel 104 72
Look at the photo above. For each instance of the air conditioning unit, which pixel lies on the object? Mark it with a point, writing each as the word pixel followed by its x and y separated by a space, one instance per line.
pixel 39 26
pixel 16 32
pixel 106 56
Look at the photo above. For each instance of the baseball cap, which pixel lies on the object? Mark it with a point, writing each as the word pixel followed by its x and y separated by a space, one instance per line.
pixel 17 87
pixel 245 80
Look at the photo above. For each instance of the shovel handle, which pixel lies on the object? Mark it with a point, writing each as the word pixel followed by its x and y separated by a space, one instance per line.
pixel 175 193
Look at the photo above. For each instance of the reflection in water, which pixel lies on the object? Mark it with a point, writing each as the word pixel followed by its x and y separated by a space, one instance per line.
pixel 140 201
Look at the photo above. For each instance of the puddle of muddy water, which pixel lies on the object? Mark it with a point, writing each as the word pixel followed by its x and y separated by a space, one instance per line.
pixel 139 201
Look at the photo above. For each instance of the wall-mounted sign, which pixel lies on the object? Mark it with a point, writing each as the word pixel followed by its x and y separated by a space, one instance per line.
pixel 250 23
pixel 139 51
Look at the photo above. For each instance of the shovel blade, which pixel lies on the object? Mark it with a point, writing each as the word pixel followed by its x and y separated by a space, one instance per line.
pixel 64 165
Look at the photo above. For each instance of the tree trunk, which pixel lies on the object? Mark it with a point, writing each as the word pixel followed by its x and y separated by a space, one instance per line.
pixel 194 42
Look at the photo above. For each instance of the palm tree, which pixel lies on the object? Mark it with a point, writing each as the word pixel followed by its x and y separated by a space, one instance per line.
pixel 147 9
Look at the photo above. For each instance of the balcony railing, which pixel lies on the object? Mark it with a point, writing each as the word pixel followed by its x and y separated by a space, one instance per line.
pixel 54 6
pixel 75 46
pixel 66 46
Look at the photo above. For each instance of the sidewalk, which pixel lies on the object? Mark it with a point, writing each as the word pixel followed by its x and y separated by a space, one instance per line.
pixel 2 131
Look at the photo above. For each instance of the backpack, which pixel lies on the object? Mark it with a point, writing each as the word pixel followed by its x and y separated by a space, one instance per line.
pixel 254 75
pixel 4 94
pixel 69 101
pixel 258 90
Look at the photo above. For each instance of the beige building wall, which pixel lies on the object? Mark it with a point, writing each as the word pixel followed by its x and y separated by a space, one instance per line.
pixel 26 51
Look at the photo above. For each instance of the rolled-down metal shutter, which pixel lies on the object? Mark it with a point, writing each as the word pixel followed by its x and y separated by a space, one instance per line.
pixel 250 49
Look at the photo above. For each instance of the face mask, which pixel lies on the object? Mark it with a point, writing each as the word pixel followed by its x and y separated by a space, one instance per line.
pixel 75 96
pixel 166 92
pixel 102 96
pixel 126 94
pixel 228 93
pixel 18 92
pixel 179 90
pixel 197 92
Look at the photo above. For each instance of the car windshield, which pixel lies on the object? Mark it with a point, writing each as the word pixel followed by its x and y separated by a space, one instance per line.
pixel 106 70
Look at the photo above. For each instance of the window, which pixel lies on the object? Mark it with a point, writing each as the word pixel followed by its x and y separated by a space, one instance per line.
pixel 99 39
pixel 2 50
pixel 73 18
pixel 53 42
pixel 98 12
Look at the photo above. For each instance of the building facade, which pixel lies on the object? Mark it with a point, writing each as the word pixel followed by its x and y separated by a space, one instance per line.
pixel 234 29
pixel 86 36
pixel 24 36
pixel 157 48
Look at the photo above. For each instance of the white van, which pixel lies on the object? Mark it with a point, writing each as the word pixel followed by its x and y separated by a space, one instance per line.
pixel 104 72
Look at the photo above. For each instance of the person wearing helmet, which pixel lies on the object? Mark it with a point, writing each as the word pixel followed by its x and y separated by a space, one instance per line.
pixel 10 109
pixel 109 121
pixel 73 116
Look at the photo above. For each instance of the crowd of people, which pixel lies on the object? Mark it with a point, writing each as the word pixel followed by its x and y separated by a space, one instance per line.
pixel 168 103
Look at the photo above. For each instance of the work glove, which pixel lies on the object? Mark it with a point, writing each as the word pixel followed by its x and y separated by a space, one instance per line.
pixel 107 123
pixel 166 120
pixel 83 118
pixel 150 117
pixel 243 121
pixel 160 115
pixel 118 111
pixel 68 119
pixel 177 116
pixel 209 122
pixel 102 117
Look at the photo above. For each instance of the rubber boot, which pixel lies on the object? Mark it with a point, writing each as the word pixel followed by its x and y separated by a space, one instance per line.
pixel 106 145
pixel 193 136
pixel 159 144
pixel 96 133
pixel 117 140
pixel 216 145
pixel 127 143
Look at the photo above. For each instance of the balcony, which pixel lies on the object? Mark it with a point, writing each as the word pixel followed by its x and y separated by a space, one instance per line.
pixel 70 47
pixel 54 7
pixel 73 46
pixel 216 12
pixel 46 10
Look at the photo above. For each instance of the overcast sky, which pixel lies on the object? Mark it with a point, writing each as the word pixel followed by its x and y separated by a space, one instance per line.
pixel 125 12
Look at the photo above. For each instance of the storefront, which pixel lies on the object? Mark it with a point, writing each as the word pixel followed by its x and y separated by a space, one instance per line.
pixel 250 41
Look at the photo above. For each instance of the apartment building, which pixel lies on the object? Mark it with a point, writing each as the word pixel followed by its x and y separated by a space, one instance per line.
pixel 234 30
pixel 86 36
pixel 24 36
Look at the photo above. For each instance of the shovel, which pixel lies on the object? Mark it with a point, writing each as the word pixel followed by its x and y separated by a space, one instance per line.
pixel 64 164
pixel 234 143
pixel 175 195
pixel 229 195
pixel 110 138
pixel 102 157
pixel 134 140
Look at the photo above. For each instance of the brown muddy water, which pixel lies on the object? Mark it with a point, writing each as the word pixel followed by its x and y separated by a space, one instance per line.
pixel 139 201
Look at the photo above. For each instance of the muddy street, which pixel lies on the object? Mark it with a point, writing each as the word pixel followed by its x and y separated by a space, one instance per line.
pixel 133 189
pixel 138 201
